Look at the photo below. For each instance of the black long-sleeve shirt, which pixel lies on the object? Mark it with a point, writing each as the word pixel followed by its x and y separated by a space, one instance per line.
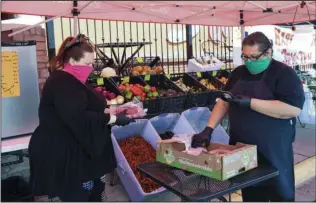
pixel 72 143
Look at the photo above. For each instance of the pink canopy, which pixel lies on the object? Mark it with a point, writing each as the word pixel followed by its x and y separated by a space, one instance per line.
pixel 223 13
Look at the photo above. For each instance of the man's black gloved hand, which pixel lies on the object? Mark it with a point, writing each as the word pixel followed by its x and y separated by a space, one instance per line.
pixel 243 102
pixel 203 138
pixel 122 119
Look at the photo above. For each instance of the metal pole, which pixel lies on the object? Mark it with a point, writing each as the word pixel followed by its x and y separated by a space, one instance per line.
pixel 242 28
pixel 50 37
pixel 189 41
pixel 75 14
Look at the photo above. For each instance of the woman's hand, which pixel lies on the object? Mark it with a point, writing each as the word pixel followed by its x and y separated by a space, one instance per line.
pixel 122 119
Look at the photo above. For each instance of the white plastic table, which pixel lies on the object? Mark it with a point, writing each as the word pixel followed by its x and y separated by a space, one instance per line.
pixel 15 144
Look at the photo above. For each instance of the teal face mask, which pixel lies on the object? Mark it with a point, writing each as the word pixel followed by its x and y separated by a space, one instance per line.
pixel 256 67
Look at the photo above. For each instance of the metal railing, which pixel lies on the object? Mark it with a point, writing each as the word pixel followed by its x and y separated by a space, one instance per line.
pixel 168 41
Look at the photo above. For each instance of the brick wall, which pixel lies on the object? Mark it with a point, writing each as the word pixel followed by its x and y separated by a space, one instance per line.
pixel 39 35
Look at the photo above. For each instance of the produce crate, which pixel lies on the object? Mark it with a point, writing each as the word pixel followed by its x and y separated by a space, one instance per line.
pixel 140 128
pixel 146 61
pixel 212 95
pixel 207 75
pixel 198 118
pixel 163 104
pixel 219 74
pixel 117 80
pixel 130 79
pixel 104 82
pixel 193 99
pixel 172 122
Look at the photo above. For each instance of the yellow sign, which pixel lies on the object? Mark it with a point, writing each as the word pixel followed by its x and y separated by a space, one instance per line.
pixel 10 74
pixel 140 60
pixel 198 74
pixel 100 81
pixel 214 73
pixel 147 77
pixel 125 79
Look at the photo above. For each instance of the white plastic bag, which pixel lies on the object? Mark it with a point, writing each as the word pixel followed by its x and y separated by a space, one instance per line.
pixel 134 109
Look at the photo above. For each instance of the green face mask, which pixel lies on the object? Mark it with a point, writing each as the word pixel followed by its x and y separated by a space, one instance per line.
pixel 256 67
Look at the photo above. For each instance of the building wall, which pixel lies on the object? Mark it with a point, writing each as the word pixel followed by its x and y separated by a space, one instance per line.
pixel 37 34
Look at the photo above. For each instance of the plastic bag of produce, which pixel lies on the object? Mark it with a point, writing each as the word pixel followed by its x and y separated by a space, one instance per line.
pixel 134 109
pixel 187 140
pixel 184 138
pixel 172 122
pixel 198 118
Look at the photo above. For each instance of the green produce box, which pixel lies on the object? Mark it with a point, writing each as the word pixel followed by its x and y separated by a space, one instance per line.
pixel 220 162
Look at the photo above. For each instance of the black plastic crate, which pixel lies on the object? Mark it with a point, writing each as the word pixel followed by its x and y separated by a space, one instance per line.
pixel 117 80
pixel 192 99
pixel 219 74
pixel 164 104
pixel 104 82
pixel 147 61
pixel 211 95
pixel 207 75
pixel 187 80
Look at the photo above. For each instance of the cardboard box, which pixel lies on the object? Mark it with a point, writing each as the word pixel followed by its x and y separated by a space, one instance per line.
pixel 213 163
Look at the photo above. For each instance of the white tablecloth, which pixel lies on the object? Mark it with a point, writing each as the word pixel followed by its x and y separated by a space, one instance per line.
pixel 15 144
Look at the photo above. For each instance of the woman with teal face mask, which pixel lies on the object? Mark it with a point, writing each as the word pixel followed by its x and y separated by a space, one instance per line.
pixel 262 98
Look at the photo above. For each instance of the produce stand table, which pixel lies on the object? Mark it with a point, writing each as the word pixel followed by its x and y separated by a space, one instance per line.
pixel 195 187
pixel 123 61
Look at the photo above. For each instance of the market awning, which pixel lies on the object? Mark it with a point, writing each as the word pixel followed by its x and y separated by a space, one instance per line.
pixel 222 13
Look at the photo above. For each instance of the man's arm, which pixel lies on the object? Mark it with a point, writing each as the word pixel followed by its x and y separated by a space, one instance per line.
pixel 219 111
pixel 289 95
pixel 274 108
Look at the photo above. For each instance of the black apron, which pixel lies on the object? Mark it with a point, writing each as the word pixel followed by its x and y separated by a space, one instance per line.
pixel 273 137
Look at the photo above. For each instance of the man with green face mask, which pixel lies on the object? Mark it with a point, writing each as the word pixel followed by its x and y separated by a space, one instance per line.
pixel 262 98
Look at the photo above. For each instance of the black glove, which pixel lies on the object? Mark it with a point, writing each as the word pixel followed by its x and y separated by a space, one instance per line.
pixel 122 119
pixel 203 138
pixel 240 101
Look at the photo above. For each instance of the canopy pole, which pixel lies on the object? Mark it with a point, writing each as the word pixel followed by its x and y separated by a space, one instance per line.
pixel 242 28
pixel 75 14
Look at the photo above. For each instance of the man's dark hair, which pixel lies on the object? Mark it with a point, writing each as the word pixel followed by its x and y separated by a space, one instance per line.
pixel 258 38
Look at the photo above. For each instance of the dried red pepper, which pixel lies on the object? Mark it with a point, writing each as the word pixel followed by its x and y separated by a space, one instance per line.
pixel 136 151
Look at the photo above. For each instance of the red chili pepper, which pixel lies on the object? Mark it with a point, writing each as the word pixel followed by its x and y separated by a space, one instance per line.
pixel 153 89
pixel 121 87
pixel 136 91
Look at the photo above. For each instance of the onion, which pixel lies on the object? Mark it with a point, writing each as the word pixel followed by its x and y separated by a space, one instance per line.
pixel 120 99
pixel 112 102
pixel 108 72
